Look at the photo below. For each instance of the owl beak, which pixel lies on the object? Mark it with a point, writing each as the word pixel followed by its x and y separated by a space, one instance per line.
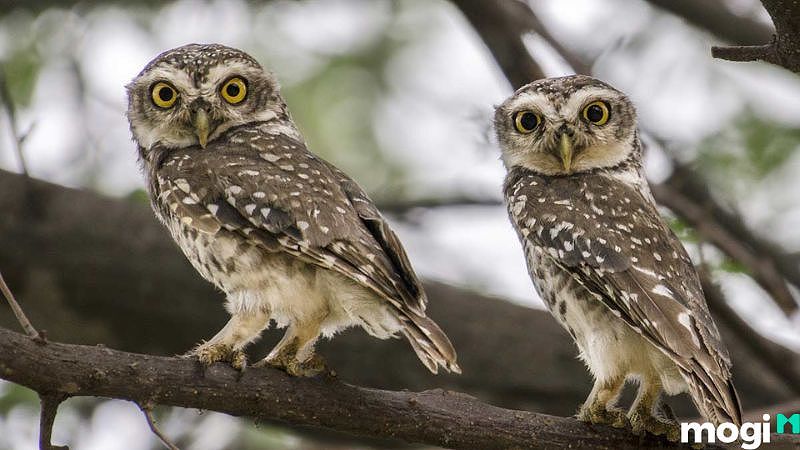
pixel 200 122
pixel 565 151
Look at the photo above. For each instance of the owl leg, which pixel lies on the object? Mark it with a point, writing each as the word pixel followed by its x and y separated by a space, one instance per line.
pixel 229 343
pixel 650 414
pixel 600 406
pixel 295 351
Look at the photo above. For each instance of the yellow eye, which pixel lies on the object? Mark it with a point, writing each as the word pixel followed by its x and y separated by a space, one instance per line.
pixel 234 90
pixel 596 112
pixel 526 121
pixel 164 95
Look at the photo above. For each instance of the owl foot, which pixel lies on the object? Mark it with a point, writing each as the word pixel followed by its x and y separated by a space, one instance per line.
pixel 642 422
pixel 208 353
pixel 309 368
pixel 598 413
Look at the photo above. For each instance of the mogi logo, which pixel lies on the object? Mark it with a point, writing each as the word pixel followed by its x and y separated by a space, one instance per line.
pixel 752 434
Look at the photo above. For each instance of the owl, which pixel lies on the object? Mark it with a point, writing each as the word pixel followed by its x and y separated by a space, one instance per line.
pixel 603 260
pixel 285 235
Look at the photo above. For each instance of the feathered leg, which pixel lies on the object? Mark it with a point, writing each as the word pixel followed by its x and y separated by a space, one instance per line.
pixel 229 343
pixel 649 413
pixel 600 406
pixel 295 351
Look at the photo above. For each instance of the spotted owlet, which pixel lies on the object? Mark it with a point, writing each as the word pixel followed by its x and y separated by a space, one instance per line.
pixel 601 257
pixel 284 234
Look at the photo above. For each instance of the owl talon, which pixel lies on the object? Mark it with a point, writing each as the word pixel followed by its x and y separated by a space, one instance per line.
pixel 642 422
pixel 208 354
pixel 599 414
pixel 309 368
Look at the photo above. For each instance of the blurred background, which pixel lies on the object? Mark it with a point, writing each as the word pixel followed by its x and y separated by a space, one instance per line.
pixel 399 94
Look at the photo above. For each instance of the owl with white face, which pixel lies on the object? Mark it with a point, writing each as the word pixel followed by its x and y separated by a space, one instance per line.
pixel 601 257
pixel 284 234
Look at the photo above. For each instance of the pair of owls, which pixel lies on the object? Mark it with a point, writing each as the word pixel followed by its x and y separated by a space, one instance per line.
pixel 288 237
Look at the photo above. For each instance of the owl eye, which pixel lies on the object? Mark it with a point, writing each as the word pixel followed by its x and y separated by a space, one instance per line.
pixel 234 90
pixel 526 121
pixel 596 112
pixel 164 95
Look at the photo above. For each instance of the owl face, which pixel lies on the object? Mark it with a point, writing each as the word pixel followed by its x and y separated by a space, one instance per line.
pixel 192 94
pixel 560 126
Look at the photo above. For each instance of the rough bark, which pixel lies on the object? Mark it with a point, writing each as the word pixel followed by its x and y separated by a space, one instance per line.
pixel 436 417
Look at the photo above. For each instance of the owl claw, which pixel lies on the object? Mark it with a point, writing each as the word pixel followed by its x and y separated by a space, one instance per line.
pixel 643 422
pixel 601 414
pixel 309 368
pixel 208 354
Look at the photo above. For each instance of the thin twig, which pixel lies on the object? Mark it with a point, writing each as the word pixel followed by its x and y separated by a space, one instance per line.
pixel 21 317
pixel 747 53
pixel 49 404
pixel 147 410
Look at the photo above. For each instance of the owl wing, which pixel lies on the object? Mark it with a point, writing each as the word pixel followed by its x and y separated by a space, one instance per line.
pixel 613 242
pixel 383 234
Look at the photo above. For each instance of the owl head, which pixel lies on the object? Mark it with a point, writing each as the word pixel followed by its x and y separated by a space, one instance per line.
pixel 561 126
pixel 190 95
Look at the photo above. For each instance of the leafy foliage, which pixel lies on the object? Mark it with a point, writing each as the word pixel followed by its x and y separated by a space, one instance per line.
pixel 750 149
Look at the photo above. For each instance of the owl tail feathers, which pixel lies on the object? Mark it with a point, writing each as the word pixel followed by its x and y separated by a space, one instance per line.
pixel 429 342
pixel 715 397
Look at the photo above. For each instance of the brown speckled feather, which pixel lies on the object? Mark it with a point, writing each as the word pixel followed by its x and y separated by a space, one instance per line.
pixel 615 244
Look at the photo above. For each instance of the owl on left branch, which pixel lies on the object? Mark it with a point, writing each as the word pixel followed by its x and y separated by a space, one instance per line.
pixel 284 234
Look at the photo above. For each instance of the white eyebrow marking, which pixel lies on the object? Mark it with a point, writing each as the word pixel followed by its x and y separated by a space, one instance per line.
pixel 532 101
pixel 576 102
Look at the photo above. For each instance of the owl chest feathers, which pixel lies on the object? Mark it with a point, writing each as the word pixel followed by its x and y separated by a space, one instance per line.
pixel 572 226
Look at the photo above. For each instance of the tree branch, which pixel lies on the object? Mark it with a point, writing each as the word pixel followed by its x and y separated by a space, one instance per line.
pixel 147 410
pixel 715 17
pixel 672 194
pixel 502 25
pixel 49 408
pixel 783 50
pixel 436 417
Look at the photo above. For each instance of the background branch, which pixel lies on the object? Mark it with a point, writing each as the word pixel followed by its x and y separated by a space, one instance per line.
pixel 783 50
pixel 715 17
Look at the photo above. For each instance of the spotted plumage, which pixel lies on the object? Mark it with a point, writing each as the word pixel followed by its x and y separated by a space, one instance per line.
pixel 284 234
pixel 602 258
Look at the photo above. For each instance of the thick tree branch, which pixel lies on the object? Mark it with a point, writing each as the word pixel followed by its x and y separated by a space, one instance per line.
pixel 436 417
